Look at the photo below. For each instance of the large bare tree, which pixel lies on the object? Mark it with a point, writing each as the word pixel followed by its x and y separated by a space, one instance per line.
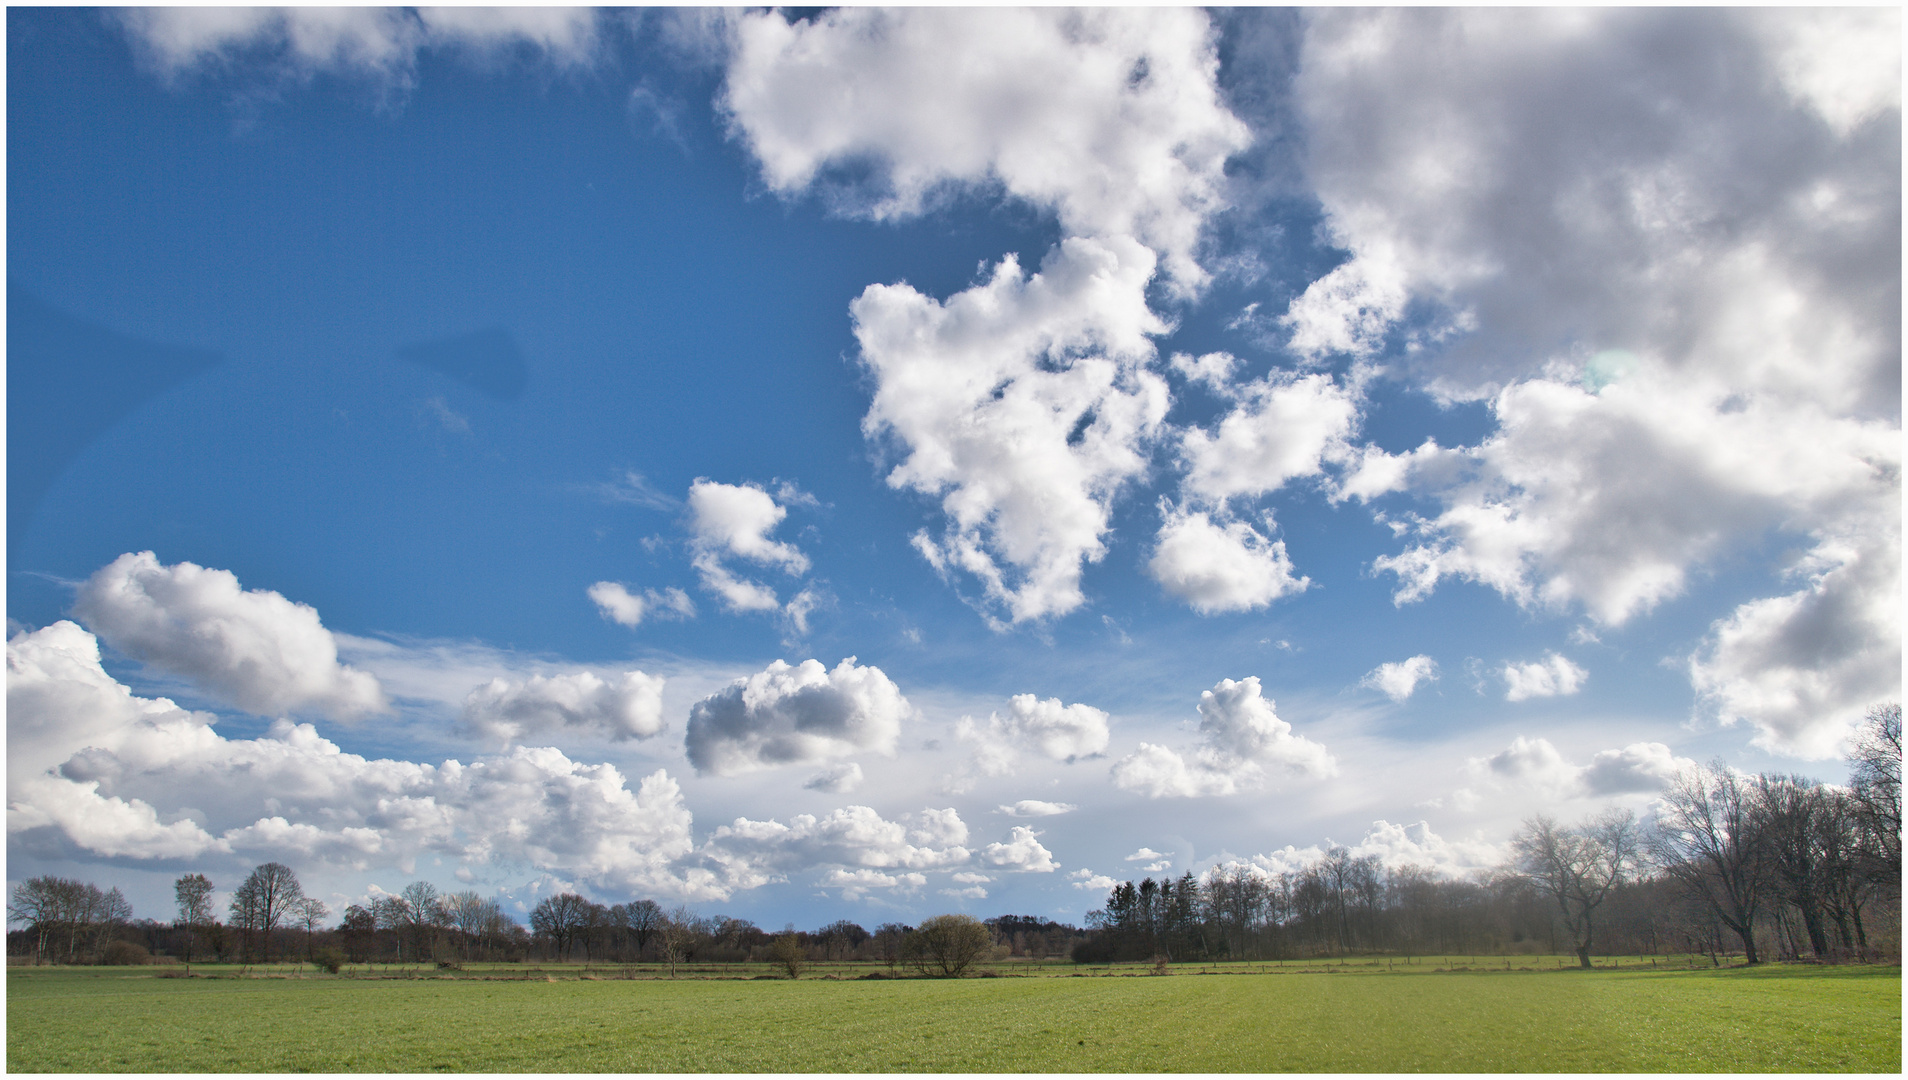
pixel 1876 782
pixel 1708 840
pixel 265 899
pixel 1577 866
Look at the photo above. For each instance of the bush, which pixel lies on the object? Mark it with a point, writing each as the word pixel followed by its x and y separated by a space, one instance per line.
pixel 787 953
pixel 946 944
pixel 124 954
pixel 329 958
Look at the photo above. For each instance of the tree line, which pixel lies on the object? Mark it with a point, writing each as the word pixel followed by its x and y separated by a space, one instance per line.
pixel 1731 864
pixel 1761 866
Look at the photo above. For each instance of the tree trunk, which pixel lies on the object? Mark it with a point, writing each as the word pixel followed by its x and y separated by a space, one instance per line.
pixel 1812 922
pixel 1583 955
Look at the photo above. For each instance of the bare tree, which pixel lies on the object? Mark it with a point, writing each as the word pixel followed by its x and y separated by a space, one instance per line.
pixel 1793 811
pixel 264 900
pixel 423 914
pixel 641 919
pixel 194 893
pixel 676 935
pixel 1876 780
pixel 309 911
pixel 561 918
pixel 1577 867
pixel 1708 840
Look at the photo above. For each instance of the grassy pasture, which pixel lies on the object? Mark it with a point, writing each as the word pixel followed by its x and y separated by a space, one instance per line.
pixel 1362 1016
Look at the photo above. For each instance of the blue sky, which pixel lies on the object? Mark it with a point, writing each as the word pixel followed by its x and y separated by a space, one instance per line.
pixel 439 442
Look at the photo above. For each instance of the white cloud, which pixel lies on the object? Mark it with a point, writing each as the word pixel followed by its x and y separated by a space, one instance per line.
pixel 1395 847
pixel 1037 808
pixel 1536 765
pixel 1146 854
pixel 967 877
pixel 1111 118
pixel 1677 285
pixel 736 520
pixel 972 892
pixel 1553 676
pixel 616 603
pixel 1059 731
pixel 836 779
pixel 1280 428
pixel 254 649
pixel 1022 851
pixel 1219 568
pixel 379 44
pixel 1024 404
pixel 1398 679
pixel 1243 736
pixel 801 715
pixel 754 853
pixel 124 777
pixel 1212 369
pixel 1087 879
pixel 1803 668
pixel 582 703
pixel 856 884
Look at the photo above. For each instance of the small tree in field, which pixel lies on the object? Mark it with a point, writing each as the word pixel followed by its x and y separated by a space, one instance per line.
pixel 195 908
pixel 787 952
pixel 946 944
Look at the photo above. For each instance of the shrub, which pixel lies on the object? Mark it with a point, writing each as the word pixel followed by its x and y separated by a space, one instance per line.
pixel 787 953
pixel 946 944
pixel 329 958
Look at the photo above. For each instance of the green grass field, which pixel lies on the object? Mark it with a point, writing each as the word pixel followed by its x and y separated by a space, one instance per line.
pixel 1358 1017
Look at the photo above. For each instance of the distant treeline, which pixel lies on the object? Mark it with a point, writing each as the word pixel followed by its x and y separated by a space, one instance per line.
pixel 1766 866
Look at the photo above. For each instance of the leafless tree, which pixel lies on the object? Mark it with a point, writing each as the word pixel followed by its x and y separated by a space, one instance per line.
pixel 1793 814
pixel 561 918
pixel 309 911
pixel 194 893
pixel 1876 780
pixel 1577 867
pixel 1709 841
pixel 787 953
pixel 422 913
pixel 265 899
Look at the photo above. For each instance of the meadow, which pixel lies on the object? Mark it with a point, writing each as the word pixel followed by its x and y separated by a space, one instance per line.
pixel 1459 1014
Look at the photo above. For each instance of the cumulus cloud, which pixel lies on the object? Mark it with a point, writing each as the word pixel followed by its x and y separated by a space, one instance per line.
pixel 378 44
pixel 1397 680
pixel 1243 737
pixel 1280 428
pixel 628 706
pixel 1024 404
pixel 119 776
pixel 1022 851
pixel 796 715
pixel 1218 567
pixel 749 854
pixel 1037 808
pixel 734 521
pixel 837 779
pixel 1536 765
pixel 1059 731
pixel 1395 846
pixel 856 884
pixel 1110 118
pixel 616 603
pixel 1553 676
pixel 252 648
pixel 1678 287
pixel 1804 667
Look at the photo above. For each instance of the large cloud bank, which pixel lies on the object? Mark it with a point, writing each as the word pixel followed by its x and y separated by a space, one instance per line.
pixel 252 648
pixel 1678 287
pixel 92 767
